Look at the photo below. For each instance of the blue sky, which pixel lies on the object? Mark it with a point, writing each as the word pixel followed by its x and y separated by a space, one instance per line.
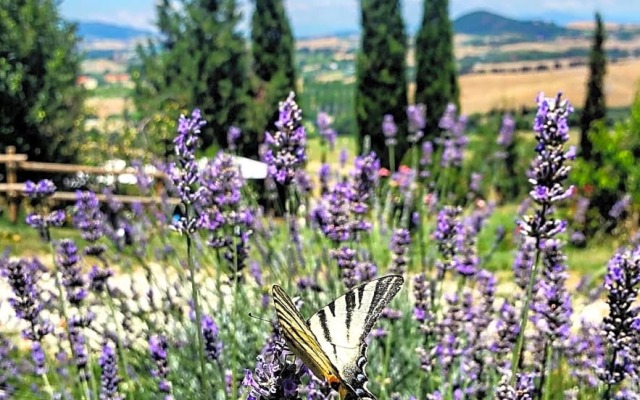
pixel 313 17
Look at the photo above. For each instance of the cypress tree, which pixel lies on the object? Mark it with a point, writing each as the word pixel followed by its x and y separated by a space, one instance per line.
pixel 594 106
pixel 273 67
pixel 272 44
pixel 199 61
pixel 381 86
pixel 436 74
pixel 40 104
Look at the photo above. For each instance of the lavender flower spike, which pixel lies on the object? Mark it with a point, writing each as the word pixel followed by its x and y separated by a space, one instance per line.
pixel 620 327
pixel 287 152
pixel 184 172
pixel 26 301
pixel 233 136
pixel 42 189
pixel 158 348
pixel 389 130
pixel 548 170
pixel 109 378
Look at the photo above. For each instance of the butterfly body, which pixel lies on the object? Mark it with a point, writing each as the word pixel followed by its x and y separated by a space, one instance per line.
pixel 332 342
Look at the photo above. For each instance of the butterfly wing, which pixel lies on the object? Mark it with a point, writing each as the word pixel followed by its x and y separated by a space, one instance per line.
pixel 341 327
pixel 300 339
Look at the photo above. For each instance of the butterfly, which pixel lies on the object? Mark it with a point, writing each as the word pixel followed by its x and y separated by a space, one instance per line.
pixel 332 342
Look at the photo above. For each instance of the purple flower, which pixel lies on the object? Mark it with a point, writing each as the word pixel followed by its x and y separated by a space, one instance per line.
pixel 287 152
pixel 389 130
pixel 323 121
pixel 580 213
pixel 507 331
pixel 98 278
pixel 620 206
pixel 343 157
pixel 233 135
pixel 524 390
pixel 212 343
pixel 621 326
pixel 220 211
pixel 158 348
pixel 72 279
pixel 505 136
pixel 586 353
pixel 25 300
pixel 346 260
pixel 109 378
pixel 7 367
pixel 184 171
pixel 324 173
pixel 79 345
pixel 39 359
pixel 426 159
pixel 338 223
pixel 303 183
pixel 422 309
pixel 416 115
pixel 274 378
pixel 553 303
pixel 400 241
pixel 523 262
pixel 476 182
pixel 548 170
pixel 88 218
pixel 447 225
pixel 366 271
pixel 44 188
pixel 365 180
pixel 42 222
pixel 453 140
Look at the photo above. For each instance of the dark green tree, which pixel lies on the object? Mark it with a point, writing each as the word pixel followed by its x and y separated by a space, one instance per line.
pixel 273 65
pixel 40 104
pixel 594 107
pixel 381 86
pixel 200 61
pixel 436 72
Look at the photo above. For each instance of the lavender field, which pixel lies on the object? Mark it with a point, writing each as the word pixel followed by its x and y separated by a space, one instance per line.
pixel 162 302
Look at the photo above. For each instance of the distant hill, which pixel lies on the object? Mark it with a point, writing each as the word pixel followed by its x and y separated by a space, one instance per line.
pixel 485 23
pixel 91 31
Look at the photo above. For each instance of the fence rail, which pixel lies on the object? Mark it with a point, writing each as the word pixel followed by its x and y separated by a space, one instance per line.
pixel 15 162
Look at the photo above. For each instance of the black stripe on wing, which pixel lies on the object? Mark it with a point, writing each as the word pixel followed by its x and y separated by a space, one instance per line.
pixel 354 376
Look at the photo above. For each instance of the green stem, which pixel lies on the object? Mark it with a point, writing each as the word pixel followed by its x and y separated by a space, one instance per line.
pixel 47 385
pixel 545 379
pixel 392 158
pixel 196 305
pixel 524 315
pixel 236 321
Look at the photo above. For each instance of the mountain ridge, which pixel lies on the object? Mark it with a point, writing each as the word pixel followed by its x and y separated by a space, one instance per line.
pixel 96 30
pixel 478 23
pixel 486 23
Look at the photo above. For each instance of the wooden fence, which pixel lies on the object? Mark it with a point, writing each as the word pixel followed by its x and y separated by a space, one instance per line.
pixel 18 162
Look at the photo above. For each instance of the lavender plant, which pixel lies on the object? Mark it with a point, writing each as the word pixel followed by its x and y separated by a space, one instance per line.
pixel 457 332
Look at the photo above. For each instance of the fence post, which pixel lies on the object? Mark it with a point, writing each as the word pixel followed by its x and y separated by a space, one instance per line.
pixel 12 178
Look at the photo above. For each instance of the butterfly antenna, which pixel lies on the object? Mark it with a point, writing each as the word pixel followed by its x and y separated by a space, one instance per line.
pixel 259 318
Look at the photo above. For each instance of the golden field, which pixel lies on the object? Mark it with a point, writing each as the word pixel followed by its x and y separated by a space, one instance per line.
pixel 483 92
